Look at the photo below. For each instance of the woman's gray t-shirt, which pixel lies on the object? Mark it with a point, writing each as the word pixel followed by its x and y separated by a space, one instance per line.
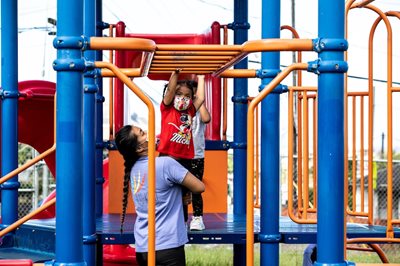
pixel 170 226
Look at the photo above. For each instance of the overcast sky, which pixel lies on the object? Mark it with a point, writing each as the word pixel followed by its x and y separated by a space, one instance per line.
pixel 36 52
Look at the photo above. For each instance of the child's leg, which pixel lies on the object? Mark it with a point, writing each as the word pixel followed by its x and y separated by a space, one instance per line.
pixel 197 169
pixel 185 163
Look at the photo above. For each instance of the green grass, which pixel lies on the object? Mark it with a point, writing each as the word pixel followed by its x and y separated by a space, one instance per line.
pixel 290 255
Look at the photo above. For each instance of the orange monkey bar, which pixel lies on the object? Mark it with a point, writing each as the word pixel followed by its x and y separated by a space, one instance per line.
pixel 194 58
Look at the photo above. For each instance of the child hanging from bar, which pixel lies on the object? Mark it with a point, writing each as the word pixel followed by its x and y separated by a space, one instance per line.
pixel 202 118
pixel 178 107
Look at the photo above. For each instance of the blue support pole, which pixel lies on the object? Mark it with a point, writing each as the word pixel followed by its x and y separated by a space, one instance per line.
pixel 330 235
pixel 240 27
pixel 270 149
pixel 9 110
pixel 69 140
pixel 89 147
pixel 99 118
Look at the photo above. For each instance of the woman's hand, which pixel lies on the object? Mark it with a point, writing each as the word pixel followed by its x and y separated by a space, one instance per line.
pixel 187 198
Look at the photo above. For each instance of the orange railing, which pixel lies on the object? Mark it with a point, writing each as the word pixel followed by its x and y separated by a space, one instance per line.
pixel 250 156
pixel 27 217
pixel 358 154
pixel 390 90
pixel 256 157
pixel 305 95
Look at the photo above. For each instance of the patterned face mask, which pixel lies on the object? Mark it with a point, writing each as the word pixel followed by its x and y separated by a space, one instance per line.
pixel 182 103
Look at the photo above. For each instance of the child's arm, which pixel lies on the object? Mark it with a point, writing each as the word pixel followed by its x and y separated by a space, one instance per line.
pixel 200 94
pixel 205 116
pixel 170 92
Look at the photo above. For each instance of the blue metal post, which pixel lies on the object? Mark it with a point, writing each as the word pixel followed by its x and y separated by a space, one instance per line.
pixel 9 110
pixel 89 148
pixel 330 236
pixel 99 118
pixel 69 140
pixel 240 26
pixel 270 138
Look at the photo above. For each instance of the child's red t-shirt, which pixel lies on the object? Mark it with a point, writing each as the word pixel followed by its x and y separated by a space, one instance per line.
pixel 176 132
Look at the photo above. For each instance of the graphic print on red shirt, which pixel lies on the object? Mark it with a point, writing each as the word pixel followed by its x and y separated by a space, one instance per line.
pixel 176 132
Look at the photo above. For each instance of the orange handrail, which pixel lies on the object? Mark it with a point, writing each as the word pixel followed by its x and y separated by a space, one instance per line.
pixel 256 156
pixel 250 156
pixel 27 217
pixel 111 89
pixel 389 228
pixel 151 153
pixel 391 90
pixel 225 92
pixel 354 96
pixel 303 204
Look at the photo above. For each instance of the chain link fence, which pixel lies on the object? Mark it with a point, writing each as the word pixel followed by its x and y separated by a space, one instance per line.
pixel 36 182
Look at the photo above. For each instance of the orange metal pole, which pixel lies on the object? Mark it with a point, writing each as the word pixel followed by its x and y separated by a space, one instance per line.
pixel 362 152
pixel 292 216
pixel 315 145
pixel 111 90
pixel 353 152
pixel 121 43
pixel 300 156
pixel 306 156
pixel 130 72
pixel 250 157
pixel 257 173
pixel 224 92
pixel 382 16
pixel 151 152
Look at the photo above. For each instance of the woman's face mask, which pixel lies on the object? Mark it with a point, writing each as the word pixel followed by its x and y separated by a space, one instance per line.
pixel 182 103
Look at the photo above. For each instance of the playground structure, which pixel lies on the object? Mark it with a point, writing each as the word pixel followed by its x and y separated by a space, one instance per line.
pixel 77 104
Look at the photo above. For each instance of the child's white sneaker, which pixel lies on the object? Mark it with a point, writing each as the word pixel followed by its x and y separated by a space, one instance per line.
pixel 197 224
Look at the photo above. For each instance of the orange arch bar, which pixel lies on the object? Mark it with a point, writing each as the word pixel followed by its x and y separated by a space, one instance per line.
pixel 151 153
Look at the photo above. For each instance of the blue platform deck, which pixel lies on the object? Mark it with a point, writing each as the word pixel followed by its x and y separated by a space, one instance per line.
pixel 36 238
pixel 221 229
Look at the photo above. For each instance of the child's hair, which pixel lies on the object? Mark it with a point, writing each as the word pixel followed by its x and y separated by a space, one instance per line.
pixel 127 144
pixel 191 84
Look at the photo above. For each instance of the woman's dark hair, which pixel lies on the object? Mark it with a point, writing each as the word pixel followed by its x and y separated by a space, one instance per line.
pixel 191 84
pixel 127 144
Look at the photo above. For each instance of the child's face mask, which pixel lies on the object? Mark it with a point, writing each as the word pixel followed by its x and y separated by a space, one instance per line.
pixel 182 103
